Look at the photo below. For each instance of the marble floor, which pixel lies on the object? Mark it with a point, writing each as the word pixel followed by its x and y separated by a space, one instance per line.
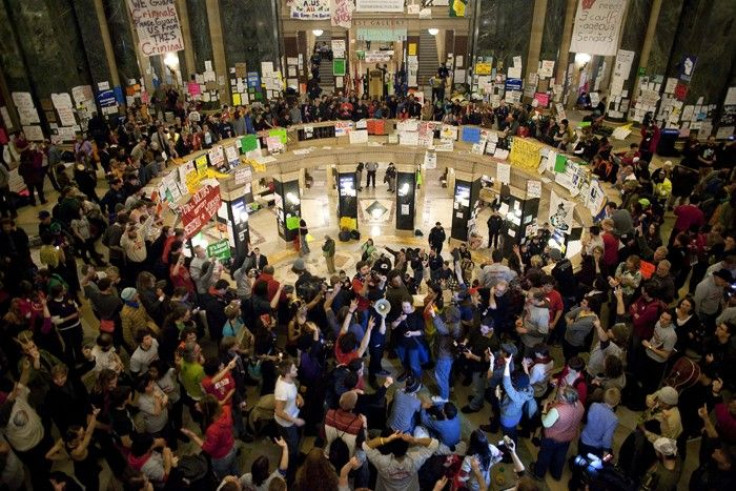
pixel 319 209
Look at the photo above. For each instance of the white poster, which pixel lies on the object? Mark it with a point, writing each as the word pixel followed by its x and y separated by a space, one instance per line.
pixel 430 160
pixel 597 26
pixel 503 173
pixel 310 9
pixel 358 136
pixel 379 5
pixel 33 133
pixel 26 109
pixel 448 132
pixel 217 156
pixel 533 189
pixel 410 138
pixel 560 213
pixel 338 48
pixel 547 69
pixel 622 67
pixel 341 12
pixel 157 24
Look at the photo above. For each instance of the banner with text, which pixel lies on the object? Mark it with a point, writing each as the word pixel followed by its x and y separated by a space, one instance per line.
pixel 310 9
pixel 200 209
pixel 157 24
pixel 597 27
pixel 342 13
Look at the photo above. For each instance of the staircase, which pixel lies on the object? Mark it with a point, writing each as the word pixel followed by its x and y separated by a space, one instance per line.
pixel 327 80
pixel 428 61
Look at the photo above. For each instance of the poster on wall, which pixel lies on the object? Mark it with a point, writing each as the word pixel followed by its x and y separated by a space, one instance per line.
pixel 379 5
pixel 687 67
pixel 341 12
pixel 26 108
pixel 157 24
pixel 597 27
pixel 310 9
pixel 560 213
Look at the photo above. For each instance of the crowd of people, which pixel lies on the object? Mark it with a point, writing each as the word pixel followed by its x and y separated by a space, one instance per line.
pixel 183 342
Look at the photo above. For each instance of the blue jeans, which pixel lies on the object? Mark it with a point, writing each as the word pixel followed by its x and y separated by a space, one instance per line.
pixel 551 456
pixel 479 390
pixel 410 358
pixel 227 465
pixel 442 370
pixel 511 432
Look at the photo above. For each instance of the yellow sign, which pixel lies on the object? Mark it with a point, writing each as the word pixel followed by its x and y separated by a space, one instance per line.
pixel 214 174
pixel 236 99
pixel 192 181
pixel 201 164
pixel 257 166
pixel 412 49
pixel 483 68
pixel 525 154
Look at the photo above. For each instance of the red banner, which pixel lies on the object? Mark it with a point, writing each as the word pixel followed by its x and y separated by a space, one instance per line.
pixel 200 209
pixel 376 127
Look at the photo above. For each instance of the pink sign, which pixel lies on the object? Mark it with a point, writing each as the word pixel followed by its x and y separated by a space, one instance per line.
pixel 542 98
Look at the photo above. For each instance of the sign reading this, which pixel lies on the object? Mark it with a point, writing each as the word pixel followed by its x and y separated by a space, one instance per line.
pixel 157 24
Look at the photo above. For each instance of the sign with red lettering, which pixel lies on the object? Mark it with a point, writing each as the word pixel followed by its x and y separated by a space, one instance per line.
pixel 200 209
pixel 157 24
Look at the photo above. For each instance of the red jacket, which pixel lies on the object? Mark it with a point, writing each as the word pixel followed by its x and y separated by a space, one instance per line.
pixel 218 439
pixel 644 316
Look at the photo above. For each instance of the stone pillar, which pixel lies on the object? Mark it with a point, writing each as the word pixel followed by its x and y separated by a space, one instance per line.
pixel 646 48
pixel 188 67
pixel 564 58
pixel 535 43
pixel 218 48
pixel 107 44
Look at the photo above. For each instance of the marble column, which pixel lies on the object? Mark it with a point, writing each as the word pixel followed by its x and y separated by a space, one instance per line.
pixel 535 43
pixel 200 34
pixel 553 26
pixel 121 36
pixel 186 65
pixel 218 49
pixel 646 47
pixel 107 43
pixel 504 29
pixel 13 77
pixel 253 38
pixel 564 58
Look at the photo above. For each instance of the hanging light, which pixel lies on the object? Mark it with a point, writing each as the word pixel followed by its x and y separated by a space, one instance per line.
pixel 317 32
pixel 433 31
pixel 171 59
pixel 582 58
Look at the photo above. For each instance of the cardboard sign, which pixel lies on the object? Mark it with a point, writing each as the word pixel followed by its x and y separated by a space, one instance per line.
pixel 219 250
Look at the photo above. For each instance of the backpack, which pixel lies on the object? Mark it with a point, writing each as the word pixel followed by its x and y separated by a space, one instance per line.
pixel 683 375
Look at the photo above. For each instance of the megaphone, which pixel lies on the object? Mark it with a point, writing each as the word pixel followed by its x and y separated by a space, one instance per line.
pixel 382 306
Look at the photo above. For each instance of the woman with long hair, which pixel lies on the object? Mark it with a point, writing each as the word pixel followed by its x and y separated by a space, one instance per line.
pixel 316 469
pixel 481 455
pixel 218 442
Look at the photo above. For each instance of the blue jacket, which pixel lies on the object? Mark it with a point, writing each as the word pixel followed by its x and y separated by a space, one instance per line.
pixel 602 422
pixel 447 431
pixel 512 405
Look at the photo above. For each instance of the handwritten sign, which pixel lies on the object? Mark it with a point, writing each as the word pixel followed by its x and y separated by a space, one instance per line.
pixel 217 156
pixel 597 26
pixel 525 154
pixel 26 108
pixel 342 13
pixel 157 24
pixel 200 209
pixel 201 164
pixel 310 9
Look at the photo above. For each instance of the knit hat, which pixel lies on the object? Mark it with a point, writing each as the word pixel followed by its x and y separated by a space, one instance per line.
pixel 666 446
pixel 298 266
pixel 667 395
pixel 644 202
pixel 128 294
pixel 509 348
pixel 555 254
pixel 348 400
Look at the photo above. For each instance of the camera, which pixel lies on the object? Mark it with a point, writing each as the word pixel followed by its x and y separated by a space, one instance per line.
pixel 598 474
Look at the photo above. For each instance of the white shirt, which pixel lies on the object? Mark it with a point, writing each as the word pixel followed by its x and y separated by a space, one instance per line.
pixel 286 392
